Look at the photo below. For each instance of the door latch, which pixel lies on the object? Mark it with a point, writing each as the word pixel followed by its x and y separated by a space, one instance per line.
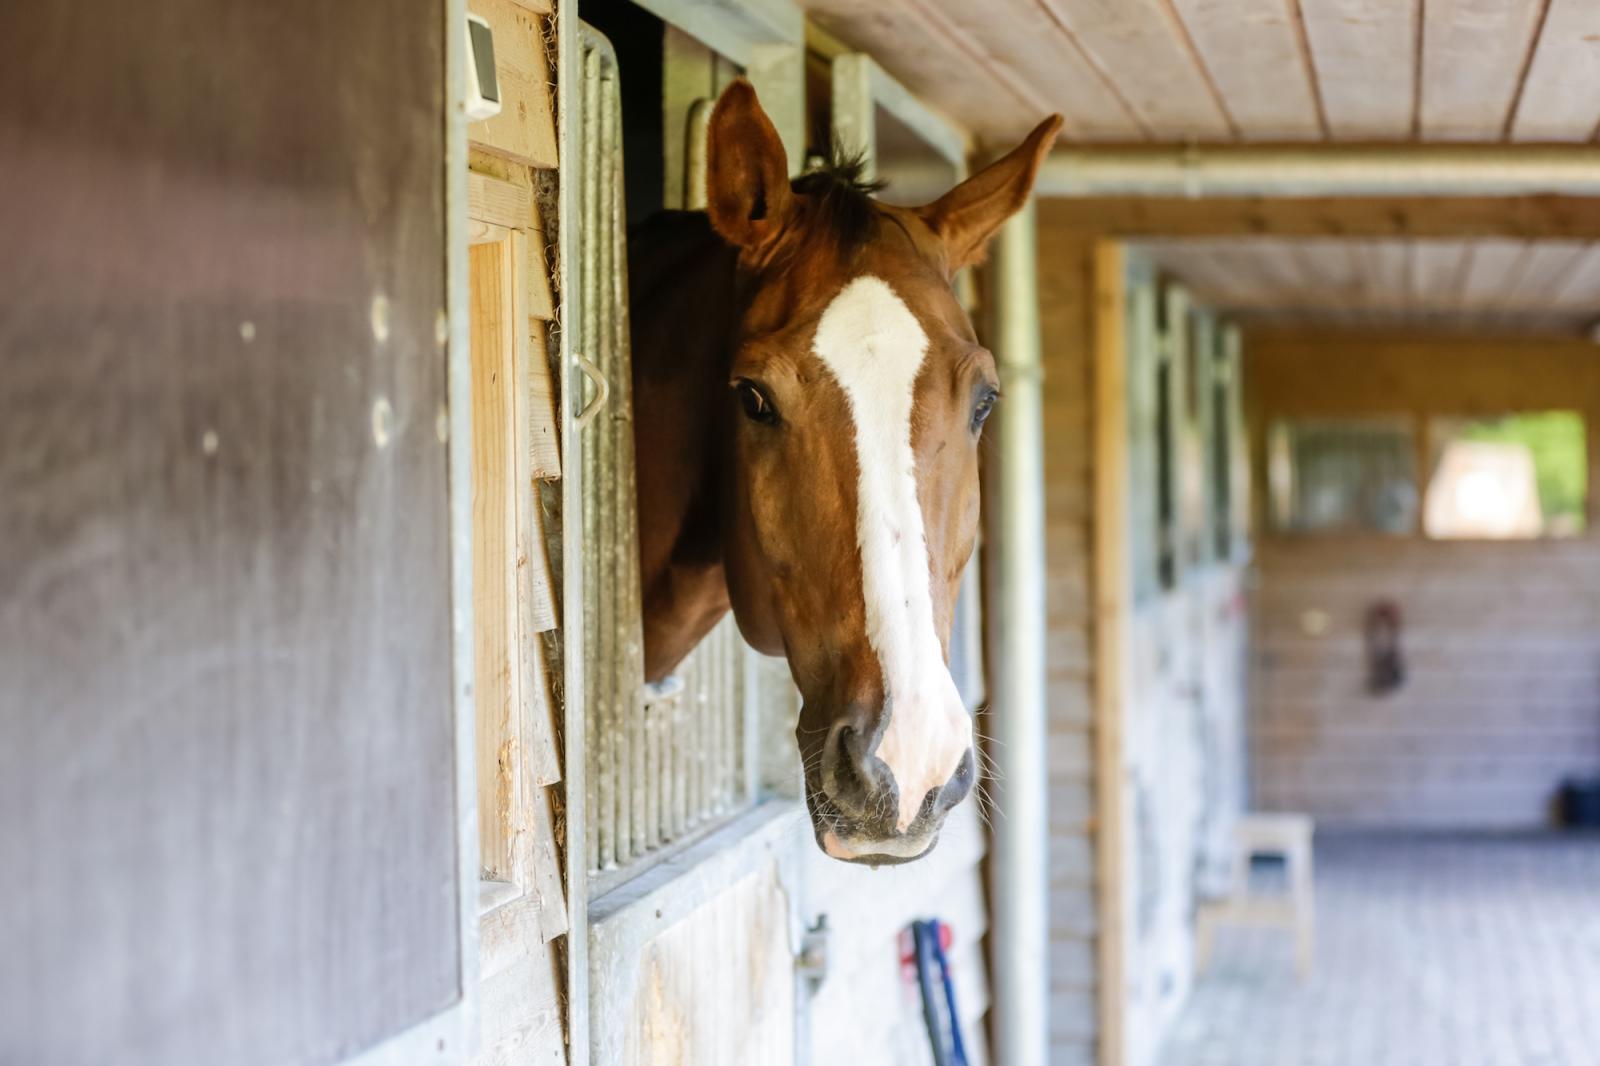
pixel 812 962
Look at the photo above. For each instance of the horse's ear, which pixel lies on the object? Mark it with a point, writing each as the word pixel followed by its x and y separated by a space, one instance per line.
pixel 969 214
pixel 747 172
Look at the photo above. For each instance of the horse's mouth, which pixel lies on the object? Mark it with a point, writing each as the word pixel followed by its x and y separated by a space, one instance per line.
pixel 868 846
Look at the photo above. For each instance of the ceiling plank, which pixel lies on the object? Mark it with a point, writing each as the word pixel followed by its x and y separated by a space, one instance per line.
pixel 1526 217
pixel 1473 56
pixel 1561 98
pixel 1145 49
pixel 1365 54
pixel 1252 50
pixel 1580 289
pixel 1027 69
pixel 1438 271
pixel 1497 265
pixel 1545 272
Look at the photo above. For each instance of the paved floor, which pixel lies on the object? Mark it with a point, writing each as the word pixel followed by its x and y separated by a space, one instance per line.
pixel 1432 951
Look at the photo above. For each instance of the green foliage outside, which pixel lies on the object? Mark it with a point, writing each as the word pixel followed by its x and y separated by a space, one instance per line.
pixel 1560 459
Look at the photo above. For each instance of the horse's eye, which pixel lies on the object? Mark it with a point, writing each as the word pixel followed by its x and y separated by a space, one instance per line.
pixel 757 408
pixel 984 407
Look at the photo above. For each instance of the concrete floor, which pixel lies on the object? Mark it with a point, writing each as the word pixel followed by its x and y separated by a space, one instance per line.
pixel 1432 951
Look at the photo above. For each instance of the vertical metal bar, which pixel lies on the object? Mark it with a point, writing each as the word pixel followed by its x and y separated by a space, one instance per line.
pixel 1017 648
pixel 579 775
pixel 600 775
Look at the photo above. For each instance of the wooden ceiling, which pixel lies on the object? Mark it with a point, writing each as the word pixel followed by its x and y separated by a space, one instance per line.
pixel 1493 285
pixel 1243 70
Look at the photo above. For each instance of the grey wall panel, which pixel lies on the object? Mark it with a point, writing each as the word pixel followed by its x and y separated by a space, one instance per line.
pixel 227 793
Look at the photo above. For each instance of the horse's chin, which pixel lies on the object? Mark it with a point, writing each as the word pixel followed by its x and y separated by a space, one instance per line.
pixel 876 853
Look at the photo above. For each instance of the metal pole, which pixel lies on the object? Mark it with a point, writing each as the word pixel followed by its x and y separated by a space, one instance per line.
pixel 1017 655
pixel 1315 170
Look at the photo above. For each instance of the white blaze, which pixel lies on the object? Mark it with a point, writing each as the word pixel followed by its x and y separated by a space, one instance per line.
pixel 874 347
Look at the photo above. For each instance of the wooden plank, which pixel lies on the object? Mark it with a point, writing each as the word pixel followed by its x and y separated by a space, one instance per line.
pixel 541 305
pixel 1365 55
pixel 500 203
pixel 1545 271
pixel 1253 52
pixel 1150 59
pixel 1495 267
pixel 524 130
pixel 546 883
pixel 522 1009
pixel 1525 217
pixel 1561 93
pixel 1474 53
pixel 921 53
pixel 494 559
pixel 543 758
pixel 1438 272
pixel 544 442
pixel 1112 617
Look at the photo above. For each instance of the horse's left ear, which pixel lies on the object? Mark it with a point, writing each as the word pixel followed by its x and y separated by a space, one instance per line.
pixel 969 214
pixel 747 172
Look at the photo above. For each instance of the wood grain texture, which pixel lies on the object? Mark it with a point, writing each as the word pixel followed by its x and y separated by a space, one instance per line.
pixel 1068 310
pixel 1474 53
pixel 227 775
pixel 925 61
pixel 1301 70
pixel 1560 98
pixel 1253 53
pixel 496 630
pixel 717 987
pixel 524 131
pixel 1501 639
pixel 1365 54
pixel 1498 284
pixel 1153 63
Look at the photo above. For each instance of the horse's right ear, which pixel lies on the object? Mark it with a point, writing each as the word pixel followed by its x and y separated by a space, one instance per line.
pixel 747 172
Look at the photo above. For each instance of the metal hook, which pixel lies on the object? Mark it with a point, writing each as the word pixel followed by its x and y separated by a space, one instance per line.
pixel 602 390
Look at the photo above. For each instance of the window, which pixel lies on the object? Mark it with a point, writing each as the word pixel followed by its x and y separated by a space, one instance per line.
pixel 1513 477
pixel 1342 475
pixel 1221 449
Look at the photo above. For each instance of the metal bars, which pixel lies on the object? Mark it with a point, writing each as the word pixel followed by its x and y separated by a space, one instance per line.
pixel 665 760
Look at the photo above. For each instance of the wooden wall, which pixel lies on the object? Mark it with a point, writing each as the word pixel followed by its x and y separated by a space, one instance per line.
pixel 1502 639
pixel 522 1008
pixel 1066 288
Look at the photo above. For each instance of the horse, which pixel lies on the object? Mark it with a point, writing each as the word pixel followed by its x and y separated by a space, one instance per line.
pixel 808 401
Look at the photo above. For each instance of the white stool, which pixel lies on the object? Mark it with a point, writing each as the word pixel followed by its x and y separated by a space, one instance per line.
pixel 1285 835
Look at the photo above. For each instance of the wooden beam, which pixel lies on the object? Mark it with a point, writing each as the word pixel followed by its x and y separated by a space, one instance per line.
pixel 1527 217
pixel 1111 611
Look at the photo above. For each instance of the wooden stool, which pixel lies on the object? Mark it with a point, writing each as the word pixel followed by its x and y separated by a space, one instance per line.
pixel 1285 835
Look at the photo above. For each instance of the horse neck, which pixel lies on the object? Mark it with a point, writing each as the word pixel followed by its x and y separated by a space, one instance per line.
pixel 683 311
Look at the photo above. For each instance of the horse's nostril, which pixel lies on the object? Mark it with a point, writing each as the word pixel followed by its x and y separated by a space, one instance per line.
pixel 857 781
pixel 842 760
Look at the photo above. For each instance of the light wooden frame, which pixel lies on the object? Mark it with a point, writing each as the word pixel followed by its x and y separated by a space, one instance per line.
pixel 512 598
pixel 1113 613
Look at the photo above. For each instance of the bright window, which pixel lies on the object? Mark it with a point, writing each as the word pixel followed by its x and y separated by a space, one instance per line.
pixel 1343 475
pixel 1514 477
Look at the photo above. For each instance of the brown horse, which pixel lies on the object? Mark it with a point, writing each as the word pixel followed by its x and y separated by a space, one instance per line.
pixel 808 398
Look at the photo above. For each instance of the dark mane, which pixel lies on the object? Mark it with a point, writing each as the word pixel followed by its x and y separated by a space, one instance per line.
pixel 842 197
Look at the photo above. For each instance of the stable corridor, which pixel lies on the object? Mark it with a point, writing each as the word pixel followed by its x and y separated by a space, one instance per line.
pixel 1434 950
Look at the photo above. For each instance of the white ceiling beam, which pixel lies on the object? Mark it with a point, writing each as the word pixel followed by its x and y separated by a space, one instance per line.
pixel 1224 171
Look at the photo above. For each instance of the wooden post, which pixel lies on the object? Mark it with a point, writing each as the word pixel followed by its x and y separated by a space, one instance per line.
pixel 1111 609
